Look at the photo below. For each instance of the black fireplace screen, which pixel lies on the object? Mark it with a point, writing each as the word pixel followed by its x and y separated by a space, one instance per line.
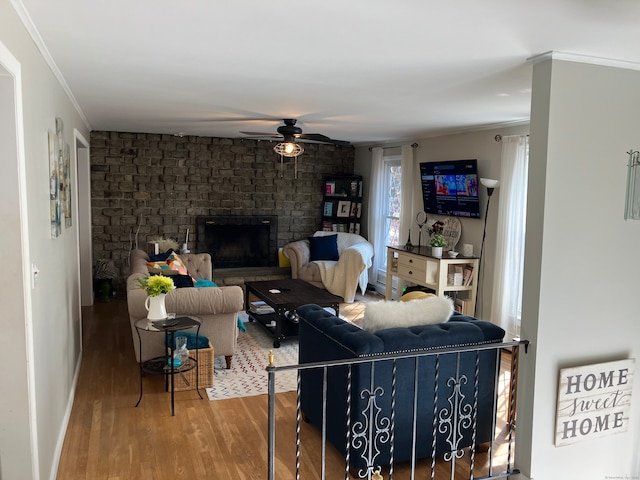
pixel 237 241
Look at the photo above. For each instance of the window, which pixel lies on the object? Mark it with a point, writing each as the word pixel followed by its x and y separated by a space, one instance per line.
pixel 506 303
pixel 392 176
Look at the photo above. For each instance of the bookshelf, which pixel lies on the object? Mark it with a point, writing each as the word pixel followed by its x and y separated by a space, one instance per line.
pixel 456 276
pixel 342 203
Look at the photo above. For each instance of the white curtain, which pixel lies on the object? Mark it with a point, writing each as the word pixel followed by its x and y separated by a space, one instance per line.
pixel 406 194
pixel 507 289
pixel 377 198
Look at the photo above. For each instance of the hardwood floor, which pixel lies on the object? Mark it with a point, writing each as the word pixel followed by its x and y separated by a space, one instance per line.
pixel 109 438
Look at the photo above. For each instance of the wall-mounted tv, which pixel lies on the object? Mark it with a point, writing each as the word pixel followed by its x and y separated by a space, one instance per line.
pixel 450 188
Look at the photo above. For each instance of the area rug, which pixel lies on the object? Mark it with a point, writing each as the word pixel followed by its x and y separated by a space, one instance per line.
pixel 247 376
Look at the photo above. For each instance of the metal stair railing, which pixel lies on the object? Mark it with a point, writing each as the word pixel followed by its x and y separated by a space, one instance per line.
pixel 449 422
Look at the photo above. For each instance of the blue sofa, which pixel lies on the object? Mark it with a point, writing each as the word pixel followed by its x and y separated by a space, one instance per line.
pixel 325 337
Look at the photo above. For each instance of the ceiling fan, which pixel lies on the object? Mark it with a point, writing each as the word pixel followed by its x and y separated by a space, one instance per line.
pixel 289 133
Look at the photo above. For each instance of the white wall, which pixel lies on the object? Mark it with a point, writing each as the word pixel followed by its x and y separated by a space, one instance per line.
pixel 480 145
pixel 52 319
pixel 581 299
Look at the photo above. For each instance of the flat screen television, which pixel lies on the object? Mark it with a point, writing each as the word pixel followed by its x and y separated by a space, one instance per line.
pixel 450 188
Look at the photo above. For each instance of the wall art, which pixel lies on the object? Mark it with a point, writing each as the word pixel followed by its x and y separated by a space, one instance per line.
pixel 59 180
pixel 54 205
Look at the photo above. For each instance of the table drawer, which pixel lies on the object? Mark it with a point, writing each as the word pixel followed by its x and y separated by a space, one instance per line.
pixel 415 263
pixel 412 272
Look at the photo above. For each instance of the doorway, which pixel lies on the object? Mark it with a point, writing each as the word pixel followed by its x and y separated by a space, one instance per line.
pixel 83 187
pixel 18 458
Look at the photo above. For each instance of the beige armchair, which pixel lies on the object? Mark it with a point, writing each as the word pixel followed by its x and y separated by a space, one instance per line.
pixel 217 308
pixel 341 277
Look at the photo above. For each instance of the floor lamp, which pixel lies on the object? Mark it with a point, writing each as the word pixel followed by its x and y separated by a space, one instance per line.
pixel 491 185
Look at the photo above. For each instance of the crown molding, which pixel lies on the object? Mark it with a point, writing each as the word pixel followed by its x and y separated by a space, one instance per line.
pixel 444 132
pixel 578 58
pixel 44 51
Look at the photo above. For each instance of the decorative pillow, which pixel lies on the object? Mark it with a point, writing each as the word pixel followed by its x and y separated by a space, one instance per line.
pixel 183 281
pixel 323 248
pixel 415 295
pixel 171 266
pixel 427 311
pixel 202 283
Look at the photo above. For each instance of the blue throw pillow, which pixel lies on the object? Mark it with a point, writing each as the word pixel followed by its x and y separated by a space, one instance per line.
pixel 201 283
pixel 203 342
pixel 323 248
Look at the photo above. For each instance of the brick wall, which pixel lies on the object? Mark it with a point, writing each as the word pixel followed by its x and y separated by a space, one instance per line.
pixel 158 184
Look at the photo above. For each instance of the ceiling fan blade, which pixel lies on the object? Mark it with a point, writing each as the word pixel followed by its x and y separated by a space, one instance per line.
pixel 233 119
pixel 262 134
pixel 318 137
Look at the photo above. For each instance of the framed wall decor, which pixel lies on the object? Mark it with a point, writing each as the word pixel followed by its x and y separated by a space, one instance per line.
pixel 66 185
pixel 54 185
pixel 59 179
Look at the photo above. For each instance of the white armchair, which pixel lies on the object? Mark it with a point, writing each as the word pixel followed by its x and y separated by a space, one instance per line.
pixel 341 277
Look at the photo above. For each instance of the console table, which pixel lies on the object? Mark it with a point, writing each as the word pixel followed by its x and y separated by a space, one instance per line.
pixel 418 266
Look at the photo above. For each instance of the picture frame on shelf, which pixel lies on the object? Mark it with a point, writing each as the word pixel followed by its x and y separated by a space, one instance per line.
pixel 354 209
pixel 354 188
pixel 344 208
pixel 328 209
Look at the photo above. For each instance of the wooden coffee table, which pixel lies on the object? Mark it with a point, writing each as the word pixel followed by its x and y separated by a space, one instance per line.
pixel 284 296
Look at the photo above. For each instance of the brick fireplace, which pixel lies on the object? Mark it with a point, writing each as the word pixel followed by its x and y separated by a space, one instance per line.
pixel 146 185
pixel 239 241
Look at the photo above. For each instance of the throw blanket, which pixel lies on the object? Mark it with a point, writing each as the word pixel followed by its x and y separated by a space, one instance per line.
pixel 343 277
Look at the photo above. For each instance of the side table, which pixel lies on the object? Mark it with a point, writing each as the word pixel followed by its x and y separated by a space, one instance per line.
pixel 161 365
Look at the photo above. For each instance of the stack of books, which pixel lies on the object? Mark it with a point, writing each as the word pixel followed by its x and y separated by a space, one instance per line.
pixel 467 275
pixel 462 306
pixel 261 308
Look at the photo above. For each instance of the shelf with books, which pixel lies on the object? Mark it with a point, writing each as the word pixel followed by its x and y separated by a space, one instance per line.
pixel 342 203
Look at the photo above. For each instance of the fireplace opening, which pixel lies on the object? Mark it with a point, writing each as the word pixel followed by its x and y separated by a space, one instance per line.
pixel 238 241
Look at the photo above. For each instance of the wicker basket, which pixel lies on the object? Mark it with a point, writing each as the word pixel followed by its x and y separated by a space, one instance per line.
pixel 187 380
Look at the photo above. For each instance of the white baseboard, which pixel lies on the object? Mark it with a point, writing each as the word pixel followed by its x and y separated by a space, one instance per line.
pixel 65 421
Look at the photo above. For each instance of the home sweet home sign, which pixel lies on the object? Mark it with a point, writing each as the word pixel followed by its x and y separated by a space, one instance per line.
pixel 593 401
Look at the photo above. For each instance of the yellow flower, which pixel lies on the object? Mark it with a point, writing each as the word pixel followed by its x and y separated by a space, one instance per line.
pixel 156 284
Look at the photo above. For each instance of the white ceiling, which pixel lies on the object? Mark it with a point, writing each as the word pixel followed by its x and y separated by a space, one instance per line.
pixel 366 71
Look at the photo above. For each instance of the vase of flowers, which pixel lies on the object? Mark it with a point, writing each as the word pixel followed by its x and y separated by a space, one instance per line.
pixel 157 288
pixel 437 240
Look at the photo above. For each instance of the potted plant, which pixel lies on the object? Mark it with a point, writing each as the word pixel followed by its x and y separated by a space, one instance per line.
pixel 157 287
pixel 437 240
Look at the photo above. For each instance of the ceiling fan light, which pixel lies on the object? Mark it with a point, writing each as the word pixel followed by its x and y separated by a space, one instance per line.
pixel 288 149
